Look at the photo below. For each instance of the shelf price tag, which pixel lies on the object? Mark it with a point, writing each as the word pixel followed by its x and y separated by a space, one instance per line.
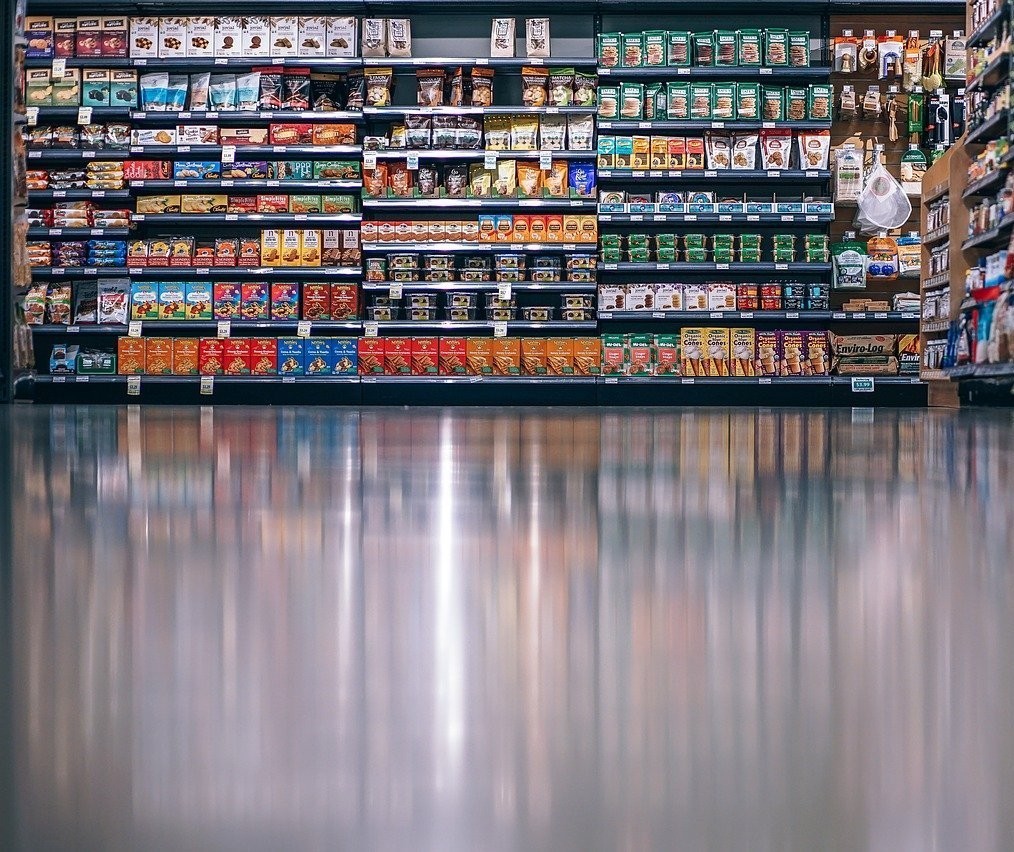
pixel 134 329
pixel 862 384
pixel 545 160
pixel 207 385
pixel 412 162
pixel 370 329
pixel 59 68
pixel 764 71
pixel 228 154
pixel 503 290
pixel 369 159
pixel 303 328
pixel 658 314
pixel 84 115
pixel 33 116
pixel 792 315
pixel 288 380
pixel 880 315
pixel 686 381
pixel 224 329
pixel 499 329
pixel 395 291
pixel 133 385
pixel 489 160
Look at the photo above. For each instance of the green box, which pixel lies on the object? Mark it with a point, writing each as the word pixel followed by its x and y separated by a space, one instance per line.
pixel 795 103
pixel 633 50
pixel 799 49
pixel 665 254
pixel 774 104
pixel 301 203
pixel 639 341
pixel 776 46
pixel 632 101
pixel 726 48
pixel 91 363
pixel 654 48
pixel 751 47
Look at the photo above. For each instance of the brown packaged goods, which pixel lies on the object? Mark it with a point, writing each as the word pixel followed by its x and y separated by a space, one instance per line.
pixel 870 354
pixel 793 353
pixel 767 344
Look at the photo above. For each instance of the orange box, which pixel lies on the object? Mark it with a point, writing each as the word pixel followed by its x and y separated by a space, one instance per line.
pixel 236 356
pixel 452 351
pixel 397 356
pixel 210 356
pixel 369 233
pixel 158 356
pixel 571 228
pixel 589 229
pixel 537 229
pixel 678 153
pixel 371 356
pixel 469 232
pixel 185 350
pixel 560 356
pixel 534 352
pixel 424 356
pixel 695 153
pixel 487 228
pixel 506 356
pixel 479 356
pixel 554 229
pixel 522 229
pixel 385 232
pixel 452 231
pixel 263 356
pixel 587 356
pixel 436 231
pixel 420 231
pixel 130 356
pixel 504 228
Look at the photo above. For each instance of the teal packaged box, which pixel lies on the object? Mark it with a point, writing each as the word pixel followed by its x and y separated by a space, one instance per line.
pixel 291 356
pixel 344 356
pixel 96 363
pixel 123 87
pixel 95 87
pixel 318 356
pixel 197 170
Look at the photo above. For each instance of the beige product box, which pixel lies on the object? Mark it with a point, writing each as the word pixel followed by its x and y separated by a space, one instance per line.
pixel 312 36
pixel 88 37
pixel 38 87
pixel 257 36
pixel 153 136
pixel 501 38
pixel 200 37
pixel 196 134
pixel 284 35
pixel 693 352
pixel 399 37
pixel 695 297
pixel 721 296
pixel 67 90
pixel 342 35
pixel 612 297
pixel 717 355
pixel 640 297
pixel 310 248
pixel 669 296
pixel 291 246
pixel 271 247
pixel 228 37
pixel 172 37
pixel 742 344
pixel 537 36
pixel 144 38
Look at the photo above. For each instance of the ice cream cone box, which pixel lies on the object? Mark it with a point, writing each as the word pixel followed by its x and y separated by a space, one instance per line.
pixel 768 353
pixel 717 355
pixel 793 353
pixel 692 352
pixel 816 353
pixel 742 346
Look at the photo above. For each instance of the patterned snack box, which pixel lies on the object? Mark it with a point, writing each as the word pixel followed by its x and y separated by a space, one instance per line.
pixel 816 351
pixel 171 301
pixel 716 358
pixel 452 352
pixel 186 352
pixel 587 356
pixel 236 356
pixel 743 348
pixel 143 300
pixel 158 356
pixel 285 301
pixel 344 356
pixel 667 352
pixel 130 356
pixel 768 348
pixel 317 301
pixel 507 356
pixel 344 302
pixel 793 353
pixel 614 355
pixel 425 356
pixel 210 356
pixel 479 356
pixel 228 300
pixel 256 302
pixel 560 356
pixel 291 356
pixel 692 352
pixel 371 356
pixel 263 356
pixel 639 355
pixel 397 356
pixel 318 356
pixel 199 300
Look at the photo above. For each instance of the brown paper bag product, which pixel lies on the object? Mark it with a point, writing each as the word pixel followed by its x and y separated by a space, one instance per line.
pixel 742 345
pixel 374 37
pixel 537 36
pixel 501 38
pixel 399 37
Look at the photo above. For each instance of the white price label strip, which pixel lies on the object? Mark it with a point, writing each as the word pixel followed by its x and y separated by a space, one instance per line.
pixel 545 160
pixel 59 68
pixel 134 329
pixel 224 328
pixel 33 116
pixel 369 159
pixel 228 154
pixel 503 290
pixel 499 329
pixel 370 329
pixel 303 328
pixel 133 385
pixel 207 385
pixel 489 161
pixel 84 115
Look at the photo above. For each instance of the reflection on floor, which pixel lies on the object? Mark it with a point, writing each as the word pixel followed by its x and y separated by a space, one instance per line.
pixel 472 630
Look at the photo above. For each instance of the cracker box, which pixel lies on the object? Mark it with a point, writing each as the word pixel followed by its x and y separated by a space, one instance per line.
pixel 793 353
pixel 88 37
pixel 479 356
pixel 130 356
pixel 344 302
pixel 172 37
pixel 587 356
pixel 236 356
pixel 210 356
pixel 606 152
pixel 344 356
pixel 316 301
pixel 522 229
pixel 39 35
pixel 256 36
pixel 425 356
pixel 291 356
pixel 717 354
pixel 613 360
pixel 560 356
pixel 228 299
pixel 291 247
pixel 185 356
pixel 123 87
pixel 38 87
pixel 768 353
pixel 817 355
pixel 171 301
pixel 285 300
pixel 114 36
pixel 588 229
pixel 507 356
pixel 318 356
pixel 255 301
pixel 640 355
pixel 284 35
pixel 200 37
pixel 397 356
pixel 143 300
pixel 452 356
pixel 370 351
pixel 263 356
pixel 310 248
pixel 667 355
pixel 743 349
pixel 158 356
pixel 67 90
pixel 229 37
pixel 342 34
pixel 693 352
pixel 271 247
pixel 200 300
pixel 143 36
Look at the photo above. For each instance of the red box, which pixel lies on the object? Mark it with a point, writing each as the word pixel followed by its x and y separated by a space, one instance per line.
pixel 263 356
pixel 316 301
pixel 452 356
pixel 255 301
pixel 236 356
pixel 242 204
pixel 371 356
pixel 291 134
pixel 397 356
pixel 344 302
pixel 424 356
pixel 272 204
pixel 210 355
pixel 228 298
pixel 147 170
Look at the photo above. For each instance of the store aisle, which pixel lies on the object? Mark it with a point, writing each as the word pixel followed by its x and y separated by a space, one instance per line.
pixel 547 630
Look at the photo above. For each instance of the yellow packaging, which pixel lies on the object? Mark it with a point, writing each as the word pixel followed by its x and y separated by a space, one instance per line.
pixel 310 248
pixel 742 345
pixel 271 248
pixel 641 157
pixel 659 152
pixel 692 352
pixel 717 355
pixel 291 247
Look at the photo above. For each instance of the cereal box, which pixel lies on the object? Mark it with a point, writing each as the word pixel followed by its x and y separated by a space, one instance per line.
pixel 130 356
pixel 291 355
pixel 317 301
pixel 507 356
pixel 143 300
pixel 344 356
pixel 397 356
pixel 318 356
pixel 425 356
pixel 171 301
pixel 742 344
pixel 793 353
pixel 614 355
pixel 587 356
pixel 479 356
pixel 371 355
pixel 717 354
pixel 158 356
pixel 639 355
pixel 693 352
pixel 285 301
pixel 185 356
pixel 228 299
pixel 263 356
pixel 452 352
pixel 560 356
pixel 768 348
pixel 210 356
pixel 667 351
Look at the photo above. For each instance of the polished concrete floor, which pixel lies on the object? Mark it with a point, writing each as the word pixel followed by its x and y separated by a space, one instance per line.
pixel 318 629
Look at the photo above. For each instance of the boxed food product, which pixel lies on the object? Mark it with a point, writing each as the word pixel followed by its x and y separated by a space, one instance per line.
pixel 534 354
pixel 263 356
pixel 284 35
pixel 158 356
pixel 587 353
pixel 291 356
pixel 143 300
pixel 228 39
pixel 312 36
pixel 199 299
pixel 186 356
pixel 318 358
pixel 130 356
pixel 39 35
pixel 816 353
pixel 342 35
pixel 769 353
pixel 479 356
pixel 666 355
pixel 228 300
pixel 67 89
pixel 693 352
pixel 38 87
pixel 742 346
pixel 172 34
pixel 88 37
pixel 613 356
pixel 284 301
pixel 640 355
pixel 397 356
pixel 171 301
pixel 65 37
pixel 452 356
pixel 370 355
pixel 344 356
pixel 717 356
pixel 200 36
pixel 210 356
pixel 507 356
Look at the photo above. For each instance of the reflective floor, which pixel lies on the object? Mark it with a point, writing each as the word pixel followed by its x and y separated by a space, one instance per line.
pixel 519 630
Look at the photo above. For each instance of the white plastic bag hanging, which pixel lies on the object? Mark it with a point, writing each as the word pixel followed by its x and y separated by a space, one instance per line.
pixel 883 205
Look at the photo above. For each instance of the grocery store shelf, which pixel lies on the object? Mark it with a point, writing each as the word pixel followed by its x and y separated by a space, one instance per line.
pixel 982 371
pixel 938 191
pixel 513 326
pixel 71 194
pixel 477 248
pixel 69 113
pixel 993 74
pixel 987 184
pixel 718 72
pixel 275 186
pixel 481 286
pixel 199 62
pixel 205 219
pixel 78 233
pixel 208 327
pixel 494 61
pixel 630 266
pixel 476 154
pixel 991 128
pixel 225 273
pixel 935 236
pixel 762 316
pixel 716 380
pixel 248 151
pixel 78 154
pixel 422 203
pixel 243 116
pixel 699 124
pixel 398 111
pixel 941 279
pixel 82 61
pixel 879 380
pixel 934 326
pixel 732 218
pixel 989 27
pixel 993 238
pixel 729 175
pixel 934 375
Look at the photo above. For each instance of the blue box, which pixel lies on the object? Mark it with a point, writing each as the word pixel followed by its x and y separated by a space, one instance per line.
pixel 197 170
pixel 344 356
pixel 318 357
pixel 291 356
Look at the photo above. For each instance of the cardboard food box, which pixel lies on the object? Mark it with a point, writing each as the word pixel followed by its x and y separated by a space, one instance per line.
pixel 479 356
pixel 291 247
pixel 130 356
pixel 817 352
pixel 344 302
pixel 316 301
pixel 255 301
pixel 255 36
pixel 158 356
pixel 285 301
pixel 743 350
pixel 717 354
pixel 560 356
pixel 310 248
pixel 210 356
pixel 613 361
pixel 640 355
pixel 143 37
pixel 65 36
pixel 507 356
pixel 67 89
pixel 693 352
pixel 172 36
pixel 200 37
pixel 397 356
pixel 186 361
pixel 284 35
pixel 200 300
pixel 342 35
pixel 291 356
pixel 452 356
pixel 38 87
pixel 39 35
pixel 88 37
pixel 228 299
pixel 318 356
pixel 425 356
pixel 587 356
pixel 768 353
pixel 371 355
pixel 667 351
pixel 793 351
pixel 143 300
pixel 263 356
pixel 171 301
pixel 271 248
pixel 344 356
